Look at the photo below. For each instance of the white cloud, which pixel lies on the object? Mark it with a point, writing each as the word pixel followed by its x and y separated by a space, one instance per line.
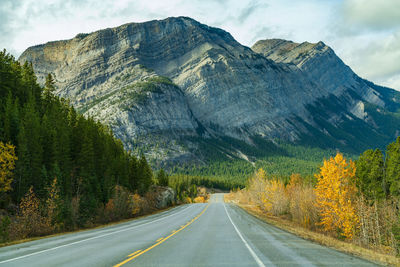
pixel 375 14
pixel 366 35
pixel 363 33
pixel 39 21
pixel 393 81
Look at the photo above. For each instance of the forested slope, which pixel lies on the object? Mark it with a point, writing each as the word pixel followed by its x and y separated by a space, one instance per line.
pixel 57 147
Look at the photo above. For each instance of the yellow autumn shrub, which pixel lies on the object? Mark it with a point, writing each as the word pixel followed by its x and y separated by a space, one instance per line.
pixel 302 208
pixel 199 199
pixel 274 197
pixel 335 196
pixel 7 165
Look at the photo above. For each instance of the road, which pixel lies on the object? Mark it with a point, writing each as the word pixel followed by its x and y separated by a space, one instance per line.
pixel 214 234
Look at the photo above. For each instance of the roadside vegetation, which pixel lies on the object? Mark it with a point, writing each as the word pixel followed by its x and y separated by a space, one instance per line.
pixel 61 171
pixel 353 201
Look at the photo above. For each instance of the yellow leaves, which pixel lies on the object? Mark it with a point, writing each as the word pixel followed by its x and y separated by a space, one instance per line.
pixel 199 199
pixel 333 198
pixel 261 174
pixel 335 195
pixel 274 197
pixel 302 204
pixel 7 165
pixel 30 222
pixel 268 194
pixel 29 204
pixel 137 204
pixel 51 204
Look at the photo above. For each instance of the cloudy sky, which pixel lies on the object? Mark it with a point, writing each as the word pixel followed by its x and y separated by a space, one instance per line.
pixel 364 33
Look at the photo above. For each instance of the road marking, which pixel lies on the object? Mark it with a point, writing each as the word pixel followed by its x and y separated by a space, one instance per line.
pixel 160 242
pixel 256 258
pixel 91 238
pixel 136 252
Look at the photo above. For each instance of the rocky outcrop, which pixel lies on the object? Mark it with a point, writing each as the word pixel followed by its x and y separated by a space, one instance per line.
pixel 158 82
pixel 164 196
pixel 320 63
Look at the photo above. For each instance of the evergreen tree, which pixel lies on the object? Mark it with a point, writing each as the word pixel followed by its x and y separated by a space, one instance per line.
pixel 49 87
pixel 133 179
pixel 53 140
pixel 162 178
pixel 392 167
pixel 31 121
pixel 145 176
pixel 370 174
pixel 29 81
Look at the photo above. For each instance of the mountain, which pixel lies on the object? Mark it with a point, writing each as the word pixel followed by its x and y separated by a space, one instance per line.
pixel 176 89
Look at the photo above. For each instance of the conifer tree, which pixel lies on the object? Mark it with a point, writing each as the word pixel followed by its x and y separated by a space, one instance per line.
pixel 145 176
pixel 392 167
pixel 49 87
pixel 370 174
pixel 162 178
pixel 52 140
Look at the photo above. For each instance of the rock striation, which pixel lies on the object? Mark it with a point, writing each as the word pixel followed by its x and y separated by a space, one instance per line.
pixel 163 84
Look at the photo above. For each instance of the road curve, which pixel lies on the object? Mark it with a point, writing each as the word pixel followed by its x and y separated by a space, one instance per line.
pixel 214 234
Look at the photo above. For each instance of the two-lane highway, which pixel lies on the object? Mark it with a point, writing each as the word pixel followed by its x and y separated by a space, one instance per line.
pixel 190 235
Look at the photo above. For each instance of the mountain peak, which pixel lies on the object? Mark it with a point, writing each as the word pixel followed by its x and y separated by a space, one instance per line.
pixel 285 51
pixel 177 78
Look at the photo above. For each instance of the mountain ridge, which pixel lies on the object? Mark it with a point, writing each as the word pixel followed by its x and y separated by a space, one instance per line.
pixel 278 90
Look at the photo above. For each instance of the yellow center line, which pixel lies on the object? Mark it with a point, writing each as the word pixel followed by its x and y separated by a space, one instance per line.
pixel 136 252
pixel 139 252
pixel 158 240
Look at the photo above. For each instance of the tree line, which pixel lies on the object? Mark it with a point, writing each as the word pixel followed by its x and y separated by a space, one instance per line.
pixel 47 144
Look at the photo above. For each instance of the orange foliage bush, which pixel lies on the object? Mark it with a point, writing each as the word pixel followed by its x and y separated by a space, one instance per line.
pixel 52 206
pixel 124 205
pixel 138 204
pixel 29 221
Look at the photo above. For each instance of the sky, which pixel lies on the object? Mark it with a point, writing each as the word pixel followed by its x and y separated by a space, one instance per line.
pixel 365 34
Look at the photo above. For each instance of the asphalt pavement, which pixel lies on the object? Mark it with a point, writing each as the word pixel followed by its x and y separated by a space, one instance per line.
pixel 209 234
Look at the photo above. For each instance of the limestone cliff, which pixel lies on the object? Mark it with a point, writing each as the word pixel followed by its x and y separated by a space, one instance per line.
pixel 161 83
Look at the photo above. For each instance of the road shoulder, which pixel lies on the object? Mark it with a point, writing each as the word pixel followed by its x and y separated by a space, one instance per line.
pixel 321 239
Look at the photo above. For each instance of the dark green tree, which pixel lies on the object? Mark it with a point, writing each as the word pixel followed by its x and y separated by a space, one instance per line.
pixel 145 176
pixel 53 140
pixel 49 87
pixel 392 167
pixel 370 174
pixel 162 178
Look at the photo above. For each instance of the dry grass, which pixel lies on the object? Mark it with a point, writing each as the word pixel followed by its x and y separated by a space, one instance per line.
pixel 320 238
pixel 16 242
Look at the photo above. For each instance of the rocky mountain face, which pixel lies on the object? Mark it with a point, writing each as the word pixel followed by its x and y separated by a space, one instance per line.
pixel 167 87
pixel 321 65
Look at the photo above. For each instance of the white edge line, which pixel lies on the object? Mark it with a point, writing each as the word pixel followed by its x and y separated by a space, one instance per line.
pixel 256 258
pixel 91 238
